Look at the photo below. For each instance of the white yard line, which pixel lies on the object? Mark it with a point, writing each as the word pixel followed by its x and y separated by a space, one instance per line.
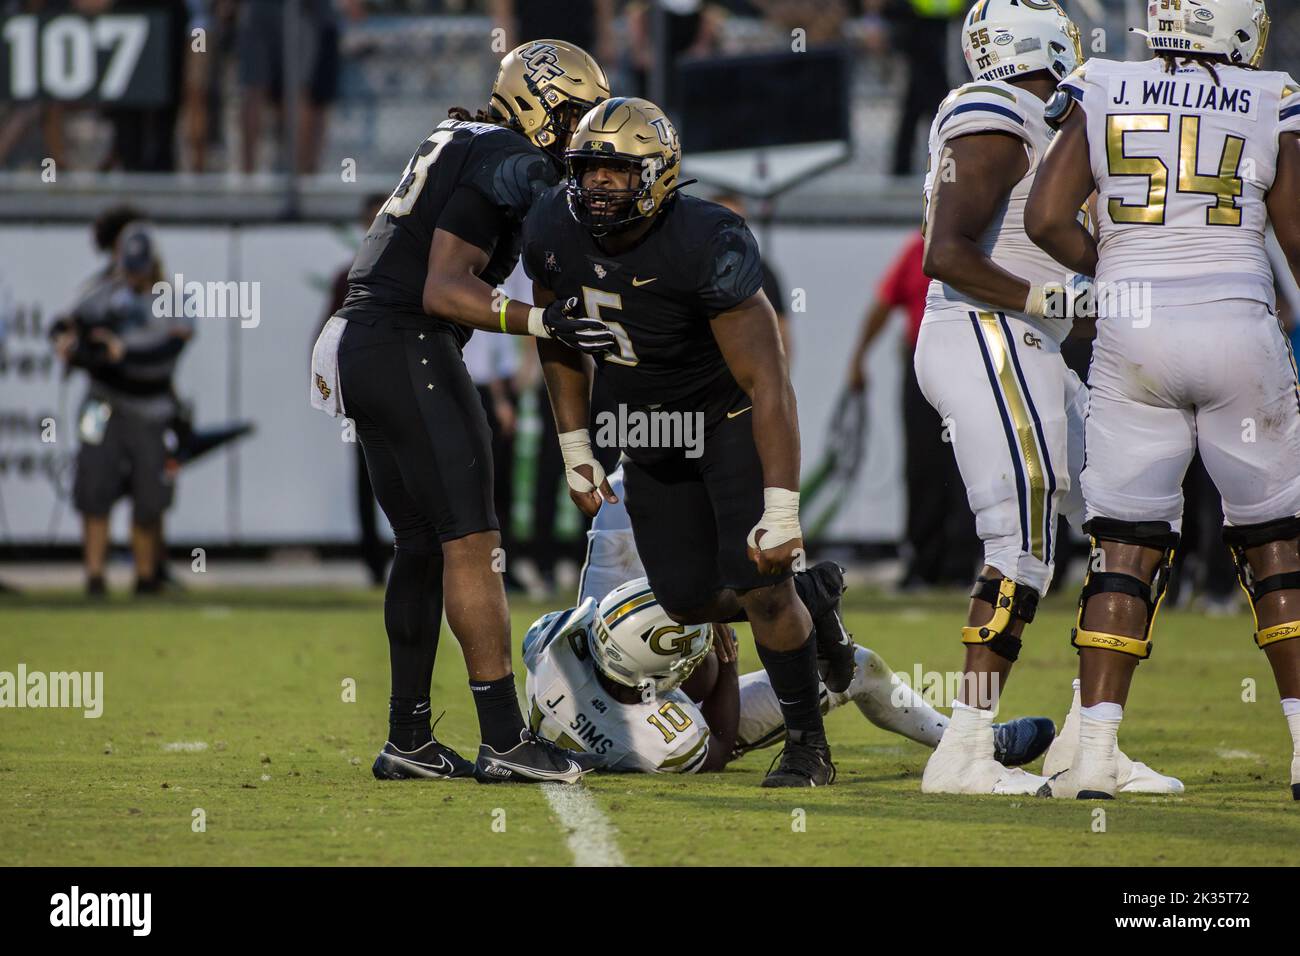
pixel 590 835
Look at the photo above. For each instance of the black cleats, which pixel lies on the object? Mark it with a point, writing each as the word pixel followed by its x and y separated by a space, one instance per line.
pixel 1020 741
pixel 532 760
pixel 835 664
pixel 805 762
pixel 433 761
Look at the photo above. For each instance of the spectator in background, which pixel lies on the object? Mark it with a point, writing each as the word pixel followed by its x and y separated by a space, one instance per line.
pixel 144 138
pixel 586 23
pixel 821 20
pixel 373 551
pixel 261 50
pixel 942 546
pixel 771 284
pixel 130 354
pixel 920 29
pixel 692 29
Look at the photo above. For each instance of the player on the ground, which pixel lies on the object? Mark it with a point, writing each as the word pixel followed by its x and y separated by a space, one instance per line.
pixel 617 678
pixel 390 360
pixel 988 357
pixel 714 503
pixel 1192 154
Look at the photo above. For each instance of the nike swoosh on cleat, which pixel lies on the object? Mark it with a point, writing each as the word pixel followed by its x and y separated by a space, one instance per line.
pixel 443 766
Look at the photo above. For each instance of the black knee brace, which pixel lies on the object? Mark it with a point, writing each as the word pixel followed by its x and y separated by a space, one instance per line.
pixel 1010 600
pixel 1147 534
pixel 1242 538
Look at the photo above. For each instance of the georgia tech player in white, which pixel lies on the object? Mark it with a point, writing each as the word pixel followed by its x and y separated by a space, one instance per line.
pixel 621 680
pixel 988 360
pixel 1192 154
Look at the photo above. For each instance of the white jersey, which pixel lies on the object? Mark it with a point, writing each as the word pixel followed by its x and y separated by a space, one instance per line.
pixel 1182 166
pixel 568 705
pixel 994 106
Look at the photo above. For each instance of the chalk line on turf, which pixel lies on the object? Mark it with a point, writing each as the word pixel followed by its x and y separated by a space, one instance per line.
pixel 592 838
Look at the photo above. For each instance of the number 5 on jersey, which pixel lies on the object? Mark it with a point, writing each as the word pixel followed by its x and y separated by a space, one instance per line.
pixel 593 300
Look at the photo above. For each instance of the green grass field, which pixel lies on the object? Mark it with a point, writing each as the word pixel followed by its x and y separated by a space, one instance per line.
pixel 285 778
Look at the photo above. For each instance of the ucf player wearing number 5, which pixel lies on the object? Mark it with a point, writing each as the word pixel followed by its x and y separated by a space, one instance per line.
pixel 678 281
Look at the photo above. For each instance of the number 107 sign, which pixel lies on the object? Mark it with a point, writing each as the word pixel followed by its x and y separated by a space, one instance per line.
pixel 119 59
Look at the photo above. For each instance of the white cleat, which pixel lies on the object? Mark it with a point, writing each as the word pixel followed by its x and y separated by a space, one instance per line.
pixel 1133 775
pixel 963 762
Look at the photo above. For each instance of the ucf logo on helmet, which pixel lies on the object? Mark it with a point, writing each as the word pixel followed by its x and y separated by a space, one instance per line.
pixel 543 62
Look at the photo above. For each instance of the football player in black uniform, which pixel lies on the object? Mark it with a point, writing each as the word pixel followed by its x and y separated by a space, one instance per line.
pixel 678 281
pixel 391 361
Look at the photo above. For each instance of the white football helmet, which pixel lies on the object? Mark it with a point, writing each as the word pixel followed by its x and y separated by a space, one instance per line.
pixel 1003 39
pixel 636 644
pixel 1236 29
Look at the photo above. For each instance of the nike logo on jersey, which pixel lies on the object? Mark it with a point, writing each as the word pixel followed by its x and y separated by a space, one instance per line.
pixel 640 282
pixel 742 411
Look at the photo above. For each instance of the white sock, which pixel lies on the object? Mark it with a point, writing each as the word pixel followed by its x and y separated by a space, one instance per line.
pixel 891 704
pixel 1104 711
pixel 1291 708
pixel 971 729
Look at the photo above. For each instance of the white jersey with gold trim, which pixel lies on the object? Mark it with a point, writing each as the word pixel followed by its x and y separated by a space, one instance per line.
pixel 568 705
pixel 1183 164
pixel 995 106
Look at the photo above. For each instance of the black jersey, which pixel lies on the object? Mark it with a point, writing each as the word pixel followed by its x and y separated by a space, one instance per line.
pixel 698 261
pixel 475 180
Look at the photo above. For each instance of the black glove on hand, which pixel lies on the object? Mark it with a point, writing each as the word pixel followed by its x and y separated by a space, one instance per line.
pixel 563 321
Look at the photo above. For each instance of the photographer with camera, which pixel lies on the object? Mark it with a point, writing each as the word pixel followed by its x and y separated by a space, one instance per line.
pixel 124 423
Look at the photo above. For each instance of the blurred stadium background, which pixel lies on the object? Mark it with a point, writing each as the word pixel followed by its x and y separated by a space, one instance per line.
pixel 816 109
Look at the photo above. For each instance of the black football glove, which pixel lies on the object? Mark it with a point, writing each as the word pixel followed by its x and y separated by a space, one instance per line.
pixel 564 322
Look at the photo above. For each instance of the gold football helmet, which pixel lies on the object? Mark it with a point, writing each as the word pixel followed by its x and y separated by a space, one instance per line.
pixel 543 86
pixel 633 133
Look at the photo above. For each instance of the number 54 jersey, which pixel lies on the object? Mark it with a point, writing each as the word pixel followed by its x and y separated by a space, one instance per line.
pixel 1183 165
pixel 567 705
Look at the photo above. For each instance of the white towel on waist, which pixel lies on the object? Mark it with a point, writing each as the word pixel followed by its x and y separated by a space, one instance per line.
pixel 326 392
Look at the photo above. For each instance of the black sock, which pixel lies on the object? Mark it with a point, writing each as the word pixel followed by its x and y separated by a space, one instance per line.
pixel 813 594
pixel 499 719
pixel 412 617
pixel 408 722
pixel 798 691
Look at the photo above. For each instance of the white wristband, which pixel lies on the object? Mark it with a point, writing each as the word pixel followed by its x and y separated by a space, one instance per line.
pixel 538 329
pixel 1036 304
pixel 780 521
pixel 575 448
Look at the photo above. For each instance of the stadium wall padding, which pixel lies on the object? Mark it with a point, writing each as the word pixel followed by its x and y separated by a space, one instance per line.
pixel 291 481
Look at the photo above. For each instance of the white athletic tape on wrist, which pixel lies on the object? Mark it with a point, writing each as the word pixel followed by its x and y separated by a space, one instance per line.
pixel 780 521
pixel 1036 304
pixel 575 447
pixel 536 327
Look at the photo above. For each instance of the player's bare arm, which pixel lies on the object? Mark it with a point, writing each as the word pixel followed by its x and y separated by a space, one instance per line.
pixel 454 291
pixel 751 345
pixel 1284 199
pixel 1063 184
pixel 568 374
pixel 987 168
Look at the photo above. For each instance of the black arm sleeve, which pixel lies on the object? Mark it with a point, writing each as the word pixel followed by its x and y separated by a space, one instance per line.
pixel 470 216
